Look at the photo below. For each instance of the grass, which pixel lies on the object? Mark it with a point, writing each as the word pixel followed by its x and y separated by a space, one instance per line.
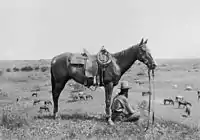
pixel 15 124
pixel 13 117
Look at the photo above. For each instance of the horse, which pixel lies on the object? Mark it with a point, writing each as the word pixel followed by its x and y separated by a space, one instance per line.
pixel 144 93
pixel 188 110
pixel 17 100
pixel 34 94
pixel 62 70
pixel 88 97
pixel 198 95
pixel 169 100
pixel 45 108
pixel 184 103
pixel 179 98
pixel 75 97
pixel 36 101
pixel 47 102
pixel 82 96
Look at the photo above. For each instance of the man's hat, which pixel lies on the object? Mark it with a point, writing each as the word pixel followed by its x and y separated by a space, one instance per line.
pixel 124 85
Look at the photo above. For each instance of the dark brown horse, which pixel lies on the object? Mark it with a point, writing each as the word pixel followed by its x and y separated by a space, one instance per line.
pixel 62 71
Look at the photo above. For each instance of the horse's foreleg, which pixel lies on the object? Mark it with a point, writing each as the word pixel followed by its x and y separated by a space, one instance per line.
pixel 58 87
pixel 108 96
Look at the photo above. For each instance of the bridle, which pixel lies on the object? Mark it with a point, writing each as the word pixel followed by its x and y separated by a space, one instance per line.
pixel 150 90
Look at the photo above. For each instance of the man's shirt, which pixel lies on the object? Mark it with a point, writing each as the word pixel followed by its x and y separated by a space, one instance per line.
pixel 120 104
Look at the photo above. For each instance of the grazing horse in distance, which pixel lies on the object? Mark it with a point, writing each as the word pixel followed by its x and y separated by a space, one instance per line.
pixel 188 110
pixel 88 97
pixel 17 100
pixel 82 96
pixel 184 103
pixel 47 102
pixel 34 94
pixel 179 98
pixel 146 93
pixel 62 70
pixel 169 100
pixel 198 95
pixel 36 101
pixel 45 108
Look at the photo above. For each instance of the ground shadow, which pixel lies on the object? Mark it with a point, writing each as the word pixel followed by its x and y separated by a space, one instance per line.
pixel 185 116
pixel 71 101
pixel 178 107
pixel 166 104
pixel 75 117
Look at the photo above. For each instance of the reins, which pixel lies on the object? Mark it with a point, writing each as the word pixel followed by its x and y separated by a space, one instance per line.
pixel 151 92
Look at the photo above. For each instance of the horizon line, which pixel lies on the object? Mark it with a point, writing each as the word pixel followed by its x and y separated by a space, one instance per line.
pixel 51 58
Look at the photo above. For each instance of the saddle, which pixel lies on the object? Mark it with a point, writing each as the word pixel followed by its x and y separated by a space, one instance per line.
pixel 94 65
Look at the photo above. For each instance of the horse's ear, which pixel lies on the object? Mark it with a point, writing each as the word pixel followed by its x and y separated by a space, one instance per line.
pixel 145 42
pixel 141 42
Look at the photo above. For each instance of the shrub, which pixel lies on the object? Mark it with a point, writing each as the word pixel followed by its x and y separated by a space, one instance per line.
pixel 15 69
pixel 44 68
pixel 13 118
pixel 8 70
pixel 35 88
pixel 37 68
pixel 141 73
pixel 27 68
pixel 4 94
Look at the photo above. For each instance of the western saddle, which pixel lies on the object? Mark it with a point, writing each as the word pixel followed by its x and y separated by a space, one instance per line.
pixel 94 65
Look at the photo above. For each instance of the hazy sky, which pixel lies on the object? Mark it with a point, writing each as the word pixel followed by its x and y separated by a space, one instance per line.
pixel 37 29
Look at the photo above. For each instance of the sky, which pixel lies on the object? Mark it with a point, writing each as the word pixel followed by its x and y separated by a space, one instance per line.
pixel 42 29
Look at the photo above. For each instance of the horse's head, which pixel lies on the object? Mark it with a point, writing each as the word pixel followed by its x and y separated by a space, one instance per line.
pixel 144 55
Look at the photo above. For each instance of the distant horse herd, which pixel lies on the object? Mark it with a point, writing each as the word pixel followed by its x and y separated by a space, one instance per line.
pixel 46 103
pixel 81 96
pixel 181 102
pixel 178 99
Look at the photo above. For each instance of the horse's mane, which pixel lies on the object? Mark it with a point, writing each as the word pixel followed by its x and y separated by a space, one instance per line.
pixel 124 52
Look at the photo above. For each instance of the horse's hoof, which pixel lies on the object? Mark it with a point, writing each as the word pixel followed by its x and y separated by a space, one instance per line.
pixel 55 116
pixel 110 122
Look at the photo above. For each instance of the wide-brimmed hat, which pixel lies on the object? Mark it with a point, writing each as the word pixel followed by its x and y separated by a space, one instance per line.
pixel 124 85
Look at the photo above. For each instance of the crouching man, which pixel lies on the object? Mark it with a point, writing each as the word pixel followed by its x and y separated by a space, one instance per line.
pixel 121 109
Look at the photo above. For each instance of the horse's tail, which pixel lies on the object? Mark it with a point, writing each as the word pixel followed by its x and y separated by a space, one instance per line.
pixel 52 80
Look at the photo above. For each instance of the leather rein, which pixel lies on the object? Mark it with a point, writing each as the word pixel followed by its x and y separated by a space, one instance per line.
pixel 151 92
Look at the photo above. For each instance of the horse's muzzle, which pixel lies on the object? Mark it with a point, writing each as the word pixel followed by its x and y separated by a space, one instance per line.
pixel 152 66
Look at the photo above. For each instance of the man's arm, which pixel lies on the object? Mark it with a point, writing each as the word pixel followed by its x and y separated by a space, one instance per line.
pixel 128 106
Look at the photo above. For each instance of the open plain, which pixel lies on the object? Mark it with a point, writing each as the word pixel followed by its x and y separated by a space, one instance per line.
pixel 84 119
